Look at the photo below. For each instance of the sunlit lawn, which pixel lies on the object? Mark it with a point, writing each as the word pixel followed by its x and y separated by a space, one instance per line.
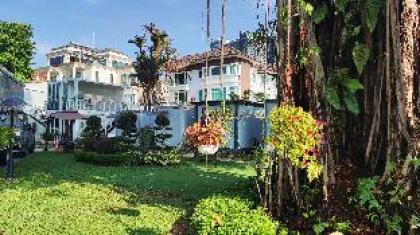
pixel 53 194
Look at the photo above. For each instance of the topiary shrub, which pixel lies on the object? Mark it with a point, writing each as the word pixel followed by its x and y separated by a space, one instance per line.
pixel 224 215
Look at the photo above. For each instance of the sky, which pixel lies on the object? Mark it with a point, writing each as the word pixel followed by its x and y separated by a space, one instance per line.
pixel 114 22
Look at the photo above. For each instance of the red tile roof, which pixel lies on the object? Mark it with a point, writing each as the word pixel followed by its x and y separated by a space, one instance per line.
pixel 182 64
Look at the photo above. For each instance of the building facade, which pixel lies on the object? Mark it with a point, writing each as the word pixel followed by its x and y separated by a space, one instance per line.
pixel 83 81
pixel 242 78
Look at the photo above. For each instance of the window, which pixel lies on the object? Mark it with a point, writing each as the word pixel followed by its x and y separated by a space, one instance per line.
pixel 215 70
pixel 217 94
pixel 202 95
pixel 111 78
pixel 180 79
pixel 224 69
pixel 97 76
pixel 182 97
pixel 200 73
pixel 233 69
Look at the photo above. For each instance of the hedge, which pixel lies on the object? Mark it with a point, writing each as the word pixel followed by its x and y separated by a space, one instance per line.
pixel 224 215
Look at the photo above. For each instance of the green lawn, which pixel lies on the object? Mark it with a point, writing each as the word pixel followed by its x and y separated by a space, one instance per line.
pixel 53 194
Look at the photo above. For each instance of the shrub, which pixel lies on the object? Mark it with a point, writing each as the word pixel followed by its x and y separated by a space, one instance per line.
pixel 106 146
pixel 223 215
pixel 297 133
pixel 102 159
pixel 157 157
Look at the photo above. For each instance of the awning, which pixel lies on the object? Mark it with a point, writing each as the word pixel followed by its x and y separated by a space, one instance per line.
pixel 67 115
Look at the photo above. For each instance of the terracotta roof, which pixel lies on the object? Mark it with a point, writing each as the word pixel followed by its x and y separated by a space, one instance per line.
pixel 182 64
pixel 40 75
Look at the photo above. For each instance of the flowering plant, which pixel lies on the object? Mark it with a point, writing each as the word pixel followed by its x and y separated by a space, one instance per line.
pixel 204 135
pixel 295 134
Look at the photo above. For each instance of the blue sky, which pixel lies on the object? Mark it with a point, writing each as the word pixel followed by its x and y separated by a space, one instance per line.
pixel 57 22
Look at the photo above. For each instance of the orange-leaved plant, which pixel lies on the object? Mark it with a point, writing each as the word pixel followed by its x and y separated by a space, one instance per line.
pixel 203 135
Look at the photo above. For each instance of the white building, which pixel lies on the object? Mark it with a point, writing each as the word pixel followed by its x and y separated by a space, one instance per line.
pixel 242 75
pixel 83 81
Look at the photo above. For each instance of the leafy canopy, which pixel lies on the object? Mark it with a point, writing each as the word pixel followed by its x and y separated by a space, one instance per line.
pixel 16 49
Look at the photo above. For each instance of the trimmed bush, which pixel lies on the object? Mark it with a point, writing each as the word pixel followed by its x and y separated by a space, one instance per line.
pixel 156 157
pixel 161 158
pixel 103 159
pixel 224 215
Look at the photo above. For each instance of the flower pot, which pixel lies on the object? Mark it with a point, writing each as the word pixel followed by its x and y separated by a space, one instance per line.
pixel 208 149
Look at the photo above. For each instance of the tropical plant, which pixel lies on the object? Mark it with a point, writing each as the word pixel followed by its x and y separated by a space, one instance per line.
pixel 16 49
pixel 341 89
pixel 296 135
pixel 150 59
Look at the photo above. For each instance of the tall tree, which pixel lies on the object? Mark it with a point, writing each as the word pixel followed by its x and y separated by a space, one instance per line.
pixel 151 57
pixel 16 49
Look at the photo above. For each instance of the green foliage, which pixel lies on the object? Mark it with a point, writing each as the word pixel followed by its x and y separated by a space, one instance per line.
pixel 6 134
pixel 343 227
pixel 393 224
pixel 305 53
pixel 360 54
pixel 151 58
pixel 370 10
pixel 305 6
pixel 332 97
pixel 341 5
pixel 320 227
pixel 93 128
pixel 146 137
pixel 156 157
pixel 16 49
pixel 365 193
pixel 294 134
pixel 126 122
pixel 116 159
pixel 162 127
pixel 341 89
pixel 414 222
pixel 351 102
pixel 56 195
pixel 320 13
pixel 47 136
pixel 224 215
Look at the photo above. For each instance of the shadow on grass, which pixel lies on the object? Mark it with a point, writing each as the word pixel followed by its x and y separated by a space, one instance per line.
pixel 176 186
pixel 183 184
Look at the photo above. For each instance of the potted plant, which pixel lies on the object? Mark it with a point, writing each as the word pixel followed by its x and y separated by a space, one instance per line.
pixel 207 138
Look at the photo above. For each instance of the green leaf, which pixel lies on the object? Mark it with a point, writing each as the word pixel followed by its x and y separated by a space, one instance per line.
pixel 319 13
pixel 332 97
pixel 361 53
pixel 370 12
pixel 341 5
pixel 351 102
pixel 352 85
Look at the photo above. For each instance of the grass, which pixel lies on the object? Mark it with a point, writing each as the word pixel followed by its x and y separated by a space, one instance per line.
pixel 53 194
